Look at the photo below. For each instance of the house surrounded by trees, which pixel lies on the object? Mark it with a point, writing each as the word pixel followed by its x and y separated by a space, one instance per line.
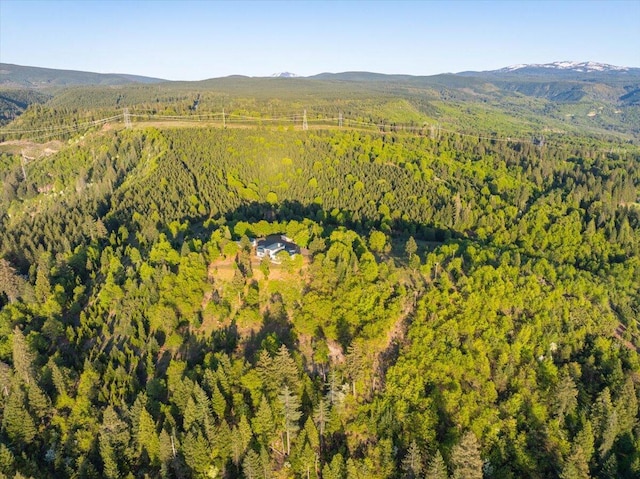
pixel 274 244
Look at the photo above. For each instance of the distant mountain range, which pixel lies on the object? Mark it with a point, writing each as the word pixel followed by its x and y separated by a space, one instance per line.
pixel 559 82
pixel 36 77
pixel 587 94
pixel 564 69
pixel 581 67
pixel 568 81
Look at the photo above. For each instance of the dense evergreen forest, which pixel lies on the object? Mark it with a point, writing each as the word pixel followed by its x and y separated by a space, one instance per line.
pixel 463 307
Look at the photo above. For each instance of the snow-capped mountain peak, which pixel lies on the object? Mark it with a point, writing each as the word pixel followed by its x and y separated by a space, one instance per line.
pixel 284 75
pixel 582 67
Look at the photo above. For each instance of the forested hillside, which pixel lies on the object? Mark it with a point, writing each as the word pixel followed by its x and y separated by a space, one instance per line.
pixel 35 77
pixel 464 306
pixel 522 103
pixel 14 101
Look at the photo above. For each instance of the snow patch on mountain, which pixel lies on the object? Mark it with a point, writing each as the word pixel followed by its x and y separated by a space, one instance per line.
pixel 284 75
pixel 583 67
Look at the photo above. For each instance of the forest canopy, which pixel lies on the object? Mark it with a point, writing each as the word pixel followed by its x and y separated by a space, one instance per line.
pixel 462 306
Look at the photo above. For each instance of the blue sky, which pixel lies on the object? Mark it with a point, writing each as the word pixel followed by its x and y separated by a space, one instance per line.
pixel 205 39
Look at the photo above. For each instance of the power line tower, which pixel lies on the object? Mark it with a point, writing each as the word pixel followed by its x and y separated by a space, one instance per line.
pixel 24 173
pixel 340 120
pixel 127 118
pixel 305 126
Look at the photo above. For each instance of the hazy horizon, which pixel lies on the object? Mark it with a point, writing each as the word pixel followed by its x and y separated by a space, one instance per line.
pixel 200 40
pixel 278 74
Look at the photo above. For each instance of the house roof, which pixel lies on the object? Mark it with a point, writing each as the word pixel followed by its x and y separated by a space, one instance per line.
pixel 278 242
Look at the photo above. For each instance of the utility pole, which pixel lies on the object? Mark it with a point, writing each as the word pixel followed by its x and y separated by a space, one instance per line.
pixel 305 126
pixel 340 120
pixel 224 121
pixel 127 119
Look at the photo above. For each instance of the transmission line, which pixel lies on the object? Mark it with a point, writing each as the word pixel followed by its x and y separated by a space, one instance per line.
pixel 433 130
pixel 127 119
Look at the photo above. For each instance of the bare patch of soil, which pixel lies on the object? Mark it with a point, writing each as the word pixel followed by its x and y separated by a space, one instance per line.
pixel 30 149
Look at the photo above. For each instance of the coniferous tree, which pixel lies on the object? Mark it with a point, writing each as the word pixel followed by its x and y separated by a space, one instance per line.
pixel 354 364
pixel 166 448
pixel 266 371
pixel 286 368
pixel 321 416
pixel 195 450
pixel 291 414
pixel 610 468
pixel 16 420
pixel 6 377
pixel 265 267
pixel 147 437
pixel 411 247
pixel 245 433
pixel 566 395
pixel 577 465
pixel 22 357
pixel 605 420
pixel 437 469
pixel 336 469
pixel 10 283
pixel 251 466
pixel 237 446
pixel 412 462
pixel 190 416
pixel 609 434
pixel 265 462
pixel 335 395
pixel 219 403
pixel 585 439
pixel 113 439
pixel 109 459
pixel 465 458
pixel 627 407
pixel 312 434
pixel 43 285
pixel 262 422
pixel 38 401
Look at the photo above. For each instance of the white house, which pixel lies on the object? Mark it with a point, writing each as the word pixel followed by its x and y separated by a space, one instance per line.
pixel 272 245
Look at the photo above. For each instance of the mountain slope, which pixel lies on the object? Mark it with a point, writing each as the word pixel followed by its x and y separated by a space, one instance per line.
pixel 35 77
pixel 518 101
pixel 14 101
pixel 563 69
pixel 558 82
pixel 569 66
pixel 566 81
